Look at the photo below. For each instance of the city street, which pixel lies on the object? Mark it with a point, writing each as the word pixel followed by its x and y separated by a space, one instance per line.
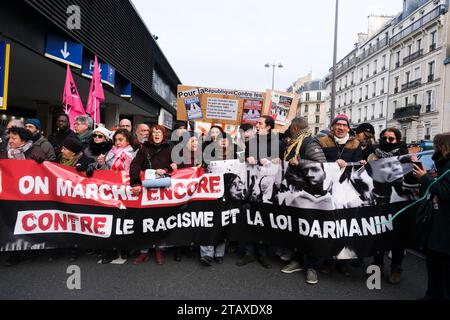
pixel 188 280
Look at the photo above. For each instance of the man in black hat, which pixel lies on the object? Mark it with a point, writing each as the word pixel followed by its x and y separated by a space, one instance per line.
pixel 365 134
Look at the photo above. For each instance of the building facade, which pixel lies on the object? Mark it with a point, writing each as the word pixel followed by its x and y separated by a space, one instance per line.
pixel 362 77
pixel 418 50
pixel 396 76
pixel 311 104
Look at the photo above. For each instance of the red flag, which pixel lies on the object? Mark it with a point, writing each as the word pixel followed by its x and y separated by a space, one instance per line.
pixel 96 94
pixel 73 106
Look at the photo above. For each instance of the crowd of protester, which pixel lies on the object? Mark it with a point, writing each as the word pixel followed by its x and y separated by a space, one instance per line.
pixel 150 147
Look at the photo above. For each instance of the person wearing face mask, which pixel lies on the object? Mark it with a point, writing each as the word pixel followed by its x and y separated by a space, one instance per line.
pixel 155 154
pixel 62 132
pixel 390 145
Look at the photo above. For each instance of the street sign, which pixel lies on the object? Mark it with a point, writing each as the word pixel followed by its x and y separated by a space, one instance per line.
pixel 64 50
pixel 126 89
pixel 107 71
pixel 166 119
pixel 4 73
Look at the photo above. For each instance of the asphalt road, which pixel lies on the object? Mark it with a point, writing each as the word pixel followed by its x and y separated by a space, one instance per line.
pixel 188 279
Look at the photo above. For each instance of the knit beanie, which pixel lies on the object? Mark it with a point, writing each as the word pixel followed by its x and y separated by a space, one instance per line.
pixel 73 144
pixel 34 122
pixel 341 117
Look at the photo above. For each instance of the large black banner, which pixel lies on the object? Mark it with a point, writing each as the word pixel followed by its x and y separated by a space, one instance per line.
pixel 317 208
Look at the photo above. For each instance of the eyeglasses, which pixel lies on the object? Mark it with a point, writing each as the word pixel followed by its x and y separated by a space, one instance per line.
pixel 390 139
pixel 100 136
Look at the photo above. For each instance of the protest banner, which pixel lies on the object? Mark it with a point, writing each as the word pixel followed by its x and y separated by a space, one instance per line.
pixel 214 105
pixel 315 208
pixel 281 106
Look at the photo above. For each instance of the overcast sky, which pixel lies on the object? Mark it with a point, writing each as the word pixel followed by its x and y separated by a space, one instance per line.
pixel 226 44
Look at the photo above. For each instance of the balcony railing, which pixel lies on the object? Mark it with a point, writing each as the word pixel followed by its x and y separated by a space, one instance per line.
pixel 412 84
pixel 433 14
pixel 412 111
pixel 416 55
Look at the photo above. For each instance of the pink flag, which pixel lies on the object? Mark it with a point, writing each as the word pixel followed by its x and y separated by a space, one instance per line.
pixel 96 94
pixel 73 106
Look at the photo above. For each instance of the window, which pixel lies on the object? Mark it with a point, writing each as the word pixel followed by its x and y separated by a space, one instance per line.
pixel 433 38
pixel 361 73
pixel 396 82
pixel 319 96
pixel 351 96
pixel 381 109
pixel 374 88
pixel 397 59
pixel 306 108
pixel 415 99
pixel 365 113
pixel 318 108
pixel 395 105
pixel 409 50
pixel 429 100
pixel 373 111
pixel 419 44
pixel 383 65
pixel 317 131
pixel 317 119
pixel 360 94
pixel 359 115
pixel 427 131
pixel 407 75
pixel 368 71
pixel 417 72
pixel 382 85
pixel 367 91
pixel 375 66
pixel 307 96
pixel 406 101
pixel 431 67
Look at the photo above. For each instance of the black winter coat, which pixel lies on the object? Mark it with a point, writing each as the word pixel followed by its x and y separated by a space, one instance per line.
pixel 439 238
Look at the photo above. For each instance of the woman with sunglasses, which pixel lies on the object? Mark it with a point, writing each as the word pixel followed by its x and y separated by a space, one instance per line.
pixel 100 143
pixel 390 145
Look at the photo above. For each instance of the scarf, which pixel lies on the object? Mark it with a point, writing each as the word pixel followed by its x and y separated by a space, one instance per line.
pixel 296 140
pixel 388 150
pixel 119 159
pixel 19 153
pixel 100 148
pixel 85 137
pixel 71 162
pixel 343 140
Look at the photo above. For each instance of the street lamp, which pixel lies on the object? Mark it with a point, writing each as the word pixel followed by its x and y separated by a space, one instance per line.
pixel 273 65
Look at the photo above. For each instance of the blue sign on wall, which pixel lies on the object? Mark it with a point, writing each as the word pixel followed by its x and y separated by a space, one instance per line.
pixel 126 89
pixel 107 71
pixel 64 50
pixel 4 71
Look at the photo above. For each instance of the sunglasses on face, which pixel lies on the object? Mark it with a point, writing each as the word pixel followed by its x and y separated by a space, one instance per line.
pixel 98 136
pixel 389 139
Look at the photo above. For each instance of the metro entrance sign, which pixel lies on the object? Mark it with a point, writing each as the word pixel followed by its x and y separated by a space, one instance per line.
pixel 4 73
pixel 107 71
pixel 64 50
